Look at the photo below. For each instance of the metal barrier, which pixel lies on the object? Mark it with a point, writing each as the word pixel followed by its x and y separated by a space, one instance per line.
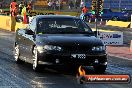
pixel 9 23
pixel 118 23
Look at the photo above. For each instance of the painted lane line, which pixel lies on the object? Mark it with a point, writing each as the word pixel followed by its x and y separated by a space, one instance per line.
pixel 125 58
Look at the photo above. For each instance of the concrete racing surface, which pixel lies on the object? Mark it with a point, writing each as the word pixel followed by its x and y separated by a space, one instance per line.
pixel 13 75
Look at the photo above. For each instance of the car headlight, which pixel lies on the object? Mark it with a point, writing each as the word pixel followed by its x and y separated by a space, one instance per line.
pixel 41 49
pixel 51 47
pixel 99 48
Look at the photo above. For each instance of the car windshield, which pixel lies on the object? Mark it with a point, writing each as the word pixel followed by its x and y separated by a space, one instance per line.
pixel 62 25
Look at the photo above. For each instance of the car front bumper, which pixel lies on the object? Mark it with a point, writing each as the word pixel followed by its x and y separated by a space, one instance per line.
pixel 66 59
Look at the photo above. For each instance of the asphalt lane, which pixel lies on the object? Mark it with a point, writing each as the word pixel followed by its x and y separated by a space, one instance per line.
pixel 13 75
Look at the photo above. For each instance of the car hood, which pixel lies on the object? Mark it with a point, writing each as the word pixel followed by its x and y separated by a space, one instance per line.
pixel 68 40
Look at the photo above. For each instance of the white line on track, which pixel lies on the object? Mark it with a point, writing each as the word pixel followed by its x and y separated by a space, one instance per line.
pixel 125 58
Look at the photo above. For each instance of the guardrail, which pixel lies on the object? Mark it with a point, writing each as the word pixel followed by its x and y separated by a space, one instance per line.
pixel 9 23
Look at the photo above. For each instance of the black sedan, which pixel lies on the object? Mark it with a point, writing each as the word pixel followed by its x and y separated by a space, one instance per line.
pixel 59 40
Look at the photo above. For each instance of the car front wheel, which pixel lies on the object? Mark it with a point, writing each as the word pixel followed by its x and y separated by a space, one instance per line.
pixel 17 54
pixel 36 66
pixel 115 18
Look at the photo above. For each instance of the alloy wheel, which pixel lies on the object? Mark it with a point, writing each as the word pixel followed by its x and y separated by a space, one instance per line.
pixel 36 66
pixel 35 59
pixel 17 54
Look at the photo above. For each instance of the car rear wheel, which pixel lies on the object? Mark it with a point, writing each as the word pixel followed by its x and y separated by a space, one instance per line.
pixel 100 68
pixel 17 54
pixel 115 18
pixel 36 66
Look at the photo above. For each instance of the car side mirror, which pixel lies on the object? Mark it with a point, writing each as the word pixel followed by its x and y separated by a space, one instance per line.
pixel 19 19
pixel 96 32
pixel 29 32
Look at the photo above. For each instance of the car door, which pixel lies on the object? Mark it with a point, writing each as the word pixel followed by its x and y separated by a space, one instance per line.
pixel 29 40
pixel 107 14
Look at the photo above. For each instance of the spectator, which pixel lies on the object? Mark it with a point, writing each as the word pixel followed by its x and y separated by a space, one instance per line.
pixel 71 5
pixel 76 4
pixel 54 5
pixel 13 8
pixel 61 5
pixel 57 5
pixel 29 7
pixel 13 12
pixel 25 14
pixel 6 5
pixel 20 7
pixel 49 5
pixel 84 10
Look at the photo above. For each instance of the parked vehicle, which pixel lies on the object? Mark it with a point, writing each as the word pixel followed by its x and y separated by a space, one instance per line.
pixel 108 14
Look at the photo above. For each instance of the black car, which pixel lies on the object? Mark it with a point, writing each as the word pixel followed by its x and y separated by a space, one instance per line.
pixel 59 40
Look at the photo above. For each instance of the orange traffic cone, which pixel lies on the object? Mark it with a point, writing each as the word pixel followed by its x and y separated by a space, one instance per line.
pixel 25 18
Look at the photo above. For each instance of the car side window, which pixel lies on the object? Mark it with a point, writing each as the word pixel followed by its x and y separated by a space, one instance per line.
pixel 32 25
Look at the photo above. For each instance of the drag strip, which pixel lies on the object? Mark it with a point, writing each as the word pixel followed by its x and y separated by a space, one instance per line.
pixel 22 76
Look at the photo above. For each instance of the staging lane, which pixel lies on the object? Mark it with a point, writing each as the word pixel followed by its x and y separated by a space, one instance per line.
pixel 13 75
